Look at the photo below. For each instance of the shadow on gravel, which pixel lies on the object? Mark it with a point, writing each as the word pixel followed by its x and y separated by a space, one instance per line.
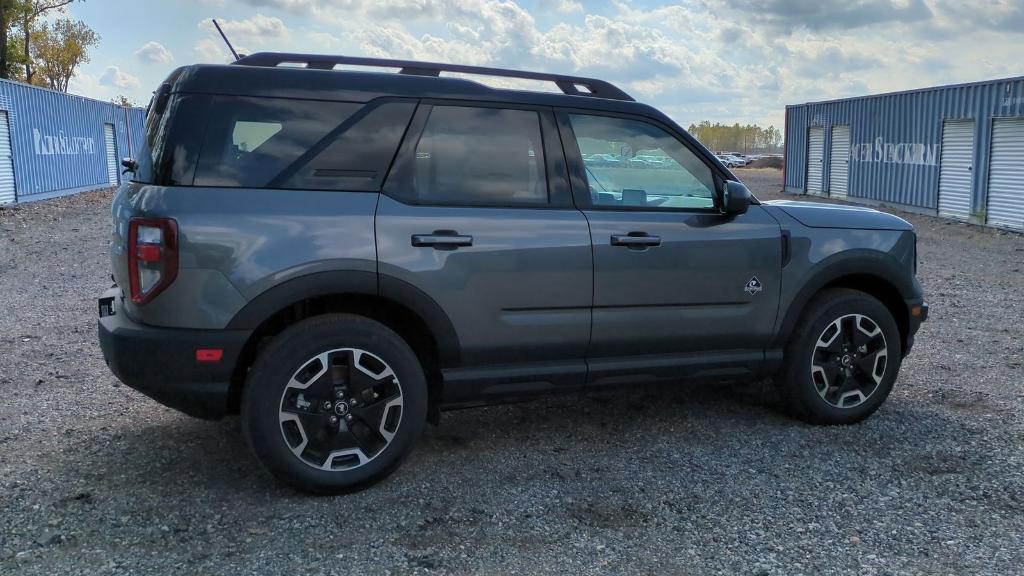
pixel 567 437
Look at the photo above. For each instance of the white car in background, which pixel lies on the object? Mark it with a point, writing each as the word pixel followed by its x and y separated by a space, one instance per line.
pixel 739 160
pixel 731 161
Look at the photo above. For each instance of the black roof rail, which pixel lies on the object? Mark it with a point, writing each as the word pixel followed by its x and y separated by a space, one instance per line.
pixel 571 85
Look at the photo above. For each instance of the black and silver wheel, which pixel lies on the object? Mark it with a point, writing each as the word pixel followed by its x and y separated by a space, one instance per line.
pixel 334 403
pixel 842 358
pixel 848 361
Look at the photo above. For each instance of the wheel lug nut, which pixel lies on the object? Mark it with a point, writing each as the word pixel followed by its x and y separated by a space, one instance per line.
pixel 334 419
pixel 348 418
pixel 327 405
pixel 339 394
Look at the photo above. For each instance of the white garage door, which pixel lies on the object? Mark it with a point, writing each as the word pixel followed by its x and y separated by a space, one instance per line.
pixel 6 162
pixel 1006 174
pixel 839 162
pixel 108 137
pixel 815 159
pixel 956 178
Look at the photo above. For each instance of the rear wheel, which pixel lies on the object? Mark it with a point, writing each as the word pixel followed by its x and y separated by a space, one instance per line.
pixel 842 360
pixel 334 403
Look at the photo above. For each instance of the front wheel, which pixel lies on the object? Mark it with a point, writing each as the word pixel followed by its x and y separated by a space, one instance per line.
pixel 334 403
pixel 842 359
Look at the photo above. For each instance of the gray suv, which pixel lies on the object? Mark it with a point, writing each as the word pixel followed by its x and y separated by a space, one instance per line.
pixel 338 255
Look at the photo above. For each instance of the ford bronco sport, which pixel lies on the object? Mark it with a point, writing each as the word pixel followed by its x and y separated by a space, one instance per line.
pixel 337 255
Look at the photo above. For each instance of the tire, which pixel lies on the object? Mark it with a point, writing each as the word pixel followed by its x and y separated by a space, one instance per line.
pixel 364 370
pixel 842 359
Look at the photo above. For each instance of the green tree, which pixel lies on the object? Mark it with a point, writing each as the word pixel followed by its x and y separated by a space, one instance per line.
pixel 737 138
pixel 31 10
pixel 60 48
pixel 17 33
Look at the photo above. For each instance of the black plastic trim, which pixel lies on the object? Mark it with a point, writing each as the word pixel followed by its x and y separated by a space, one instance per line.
pixel 161 362
pixel 857 262
pixel 340 282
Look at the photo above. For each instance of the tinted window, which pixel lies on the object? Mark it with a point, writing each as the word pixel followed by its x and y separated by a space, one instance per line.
pixel 300 144
pixel 168 154
pixel 633 164
pixel 480 156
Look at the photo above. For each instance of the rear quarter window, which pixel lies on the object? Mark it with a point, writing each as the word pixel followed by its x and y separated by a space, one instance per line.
pixel 173 137
pixel 300 144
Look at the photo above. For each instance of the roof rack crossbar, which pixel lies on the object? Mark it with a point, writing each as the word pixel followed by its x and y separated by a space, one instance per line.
pixel 567 84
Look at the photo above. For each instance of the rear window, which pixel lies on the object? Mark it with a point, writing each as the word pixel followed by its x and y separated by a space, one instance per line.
pixel 300 144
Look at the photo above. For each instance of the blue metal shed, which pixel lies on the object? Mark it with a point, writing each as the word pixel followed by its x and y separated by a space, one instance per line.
pixel 53 143
pixel 954 151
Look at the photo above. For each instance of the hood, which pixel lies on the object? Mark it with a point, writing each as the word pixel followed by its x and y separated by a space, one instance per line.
pixel 818 215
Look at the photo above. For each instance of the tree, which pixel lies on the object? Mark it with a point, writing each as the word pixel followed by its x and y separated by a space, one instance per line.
pixel 61 48
pixel 30 10
pixel 8 11
pixel 737 138
pixel 124 101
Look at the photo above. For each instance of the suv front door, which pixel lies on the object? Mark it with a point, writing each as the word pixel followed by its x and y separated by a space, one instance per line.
pixel 679 288
pixel 477 214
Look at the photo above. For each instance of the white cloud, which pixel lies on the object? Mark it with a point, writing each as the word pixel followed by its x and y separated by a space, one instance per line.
pixel 563 6
pixel 256 29
pixel 729 60
pixel 114 77
pixel 154 53
pixel 214 51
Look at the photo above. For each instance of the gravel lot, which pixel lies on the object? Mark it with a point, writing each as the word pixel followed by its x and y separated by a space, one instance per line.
pixel 97 479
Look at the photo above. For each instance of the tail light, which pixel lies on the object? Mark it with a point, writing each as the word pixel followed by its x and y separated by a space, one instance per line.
pixel 152 257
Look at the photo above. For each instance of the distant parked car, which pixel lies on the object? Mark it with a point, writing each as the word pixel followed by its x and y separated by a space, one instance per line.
pixel 603 159
pixel 730 161
pixel 740 160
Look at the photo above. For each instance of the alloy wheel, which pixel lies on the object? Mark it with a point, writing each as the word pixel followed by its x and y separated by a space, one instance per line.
pixel 341 409
pixel 849 360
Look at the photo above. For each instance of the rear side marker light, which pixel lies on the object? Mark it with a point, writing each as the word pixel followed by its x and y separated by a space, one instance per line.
pixel 209 354
pixel 915 311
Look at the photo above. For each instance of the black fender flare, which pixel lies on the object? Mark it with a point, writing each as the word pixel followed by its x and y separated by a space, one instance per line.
pixel 353 282
pixel 856 262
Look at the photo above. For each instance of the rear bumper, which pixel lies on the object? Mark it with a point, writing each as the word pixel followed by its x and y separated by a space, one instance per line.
pixel 161 362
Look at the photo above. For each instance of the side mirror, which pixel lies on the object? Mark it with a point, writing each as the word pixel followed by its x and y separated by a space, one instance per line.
pixel 735 198
pixel 130 165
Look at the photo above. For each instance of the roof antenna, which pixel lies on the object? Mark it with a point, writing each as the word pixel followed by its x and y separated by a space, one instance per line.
pixel 226 41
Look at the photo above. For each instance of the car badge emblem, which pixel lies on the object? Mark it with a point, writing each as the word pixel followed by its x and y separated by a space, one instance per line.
pixel 753 286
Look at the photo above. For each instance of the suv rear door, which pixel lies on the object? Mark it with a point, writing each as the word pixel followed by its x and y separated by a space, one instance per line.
pixel 477 214
pixel 678 287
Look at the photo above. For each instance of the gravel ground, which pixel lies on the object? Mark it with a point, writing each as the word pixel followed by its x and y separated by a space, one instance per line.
pixel 97 479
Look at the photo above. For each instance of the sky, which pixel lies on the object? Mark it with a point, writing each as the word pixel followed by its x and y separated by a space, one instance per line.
pixel 719 60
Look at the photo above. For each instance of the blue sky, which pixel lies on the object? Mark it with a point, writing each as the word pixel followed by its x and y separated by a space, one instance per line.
pixel 722 60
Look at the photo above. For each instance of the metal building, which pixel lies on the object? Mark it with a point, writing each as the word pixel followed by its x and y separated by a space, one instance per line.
pixel 52 143
pixel 954 151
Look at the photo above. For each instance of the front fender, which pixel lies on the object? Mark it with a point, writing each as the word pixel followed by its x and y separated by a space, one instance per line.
pixel 821 259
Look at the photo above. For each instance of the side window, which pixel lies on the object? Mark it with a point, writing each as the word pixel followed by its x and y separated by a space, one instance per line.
pixel 480 156
pixel 632 164
pixel 300 144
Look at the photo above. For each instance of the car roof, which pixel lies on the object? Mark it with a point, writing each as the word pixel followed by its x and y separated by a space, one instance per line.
pixel 273 75
pixel 240 79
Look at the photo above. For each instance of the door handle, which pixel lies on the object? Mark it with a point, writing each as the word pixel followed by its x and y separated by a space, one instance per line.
pixel 635 240
pixel 442 240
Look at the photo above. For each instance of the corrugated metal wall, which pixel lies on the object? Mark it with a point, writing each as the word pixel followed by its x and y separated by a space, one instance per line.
pixel 895 139
pixel 57 140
